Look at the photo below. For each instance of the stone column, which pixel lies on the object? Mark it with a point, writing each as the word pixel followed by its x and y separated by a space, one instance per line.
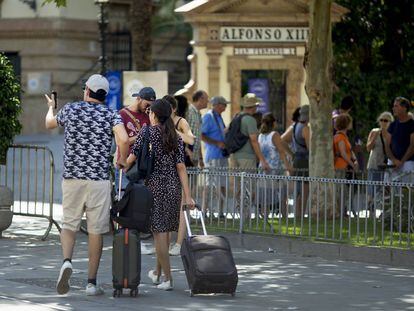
pixel 214 52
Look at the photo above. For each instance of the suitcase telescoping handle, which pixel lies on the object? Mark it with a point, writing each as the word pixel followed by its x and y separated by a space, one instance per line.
pixel 120 184
pixel 187 221
pixel 117 226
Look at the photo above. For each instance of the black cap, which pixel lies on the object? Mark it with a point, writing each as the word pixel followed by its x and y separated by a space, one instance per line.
pixel 146 93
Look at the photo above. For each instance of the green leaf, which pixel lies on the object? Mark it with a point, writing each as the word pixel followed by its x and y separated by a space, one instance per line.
pixel 59 3
pixel 10 108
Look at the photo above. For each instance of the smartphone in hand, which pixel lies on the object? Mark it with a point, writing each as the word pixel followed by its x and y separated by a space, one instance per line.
pixel 54 93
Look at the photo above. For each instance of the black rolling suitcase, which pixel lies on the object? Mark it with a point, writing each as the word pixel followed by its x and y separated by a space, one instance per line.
pixel 208 262
pixel 126 258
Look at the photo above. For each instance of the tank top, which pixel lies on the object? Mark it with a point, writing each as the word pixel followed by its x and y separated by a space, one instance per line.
pixel 269 151
pixel 299 143
pixel 187 160
pixel 376 156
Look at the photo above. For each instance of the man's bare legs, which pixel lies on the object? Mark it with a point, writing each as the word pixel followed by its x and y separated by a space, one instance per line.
pixel 95 253
pixel 67 240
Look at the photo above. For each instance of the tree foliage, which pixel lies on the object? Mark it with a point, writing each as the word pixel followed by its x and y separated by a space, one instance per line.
pixel 58 3
pixel 374 54
pixel 10 108
pixel 166 20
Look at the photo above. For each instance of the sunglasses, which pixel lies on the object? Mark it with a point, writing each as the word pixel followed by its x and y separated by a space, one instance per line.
pixel 384 120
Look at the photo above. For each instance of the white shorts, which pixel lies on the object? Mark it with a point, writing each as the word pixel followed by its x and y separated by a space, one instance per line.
pixel 403 174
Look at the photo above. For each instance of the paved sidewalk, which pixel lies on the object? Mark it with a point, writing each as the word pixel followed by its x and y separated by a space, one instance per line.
pixel 267 281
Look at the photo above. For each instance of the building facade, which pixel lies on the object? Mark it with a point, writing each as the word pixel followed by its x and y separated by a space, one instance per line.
pixel 258 46
pixel 58 48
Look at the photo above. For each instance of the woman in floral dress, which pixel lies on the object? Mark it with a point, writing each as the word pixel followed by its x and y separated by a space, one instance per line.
pixel 167 183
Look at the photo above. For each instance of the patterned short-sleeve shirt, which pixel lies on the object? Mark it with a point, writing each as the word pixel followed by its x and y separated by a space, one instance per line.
pixel 194 120
pixel 88 138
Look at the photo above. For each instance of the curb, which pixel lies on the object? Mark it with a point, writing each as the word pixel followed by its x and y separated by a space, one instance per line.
pixel 326 250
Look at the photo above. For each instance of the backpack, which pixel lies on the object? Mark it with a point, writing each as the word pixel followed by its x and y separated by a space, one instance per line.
pixel 134 208
pixel 234 139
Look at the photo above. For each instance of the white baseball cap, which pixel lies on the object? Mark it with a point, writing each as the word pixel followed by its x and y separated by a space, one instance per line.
pixel 97 82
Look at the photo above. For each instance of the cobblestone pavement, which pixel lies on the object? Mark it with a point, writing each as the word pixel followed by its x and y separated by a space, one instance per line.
pixel 267 281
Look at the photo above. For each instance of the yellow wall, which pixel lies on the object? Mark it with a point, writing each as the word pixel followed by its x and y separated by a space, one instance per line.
pixel 225 87
pixel 304 100
pixel 202 70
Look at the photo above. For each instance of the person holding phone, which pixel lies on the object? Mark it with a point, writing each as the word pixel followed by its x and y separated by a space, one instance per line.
pixel 89 126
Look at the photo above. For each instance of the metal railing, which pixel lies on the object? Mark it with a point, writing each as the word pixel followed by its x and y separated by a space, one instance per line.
pixel 29 173
pixel 354 211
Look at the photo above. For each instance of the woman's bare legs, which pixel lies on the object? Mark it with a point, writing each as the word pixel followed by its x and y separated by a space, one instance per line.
pixel 161 240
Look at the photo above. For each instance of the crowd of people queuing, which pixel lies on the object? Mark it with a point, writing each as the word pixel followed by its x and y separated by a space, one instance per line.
pixel 177 130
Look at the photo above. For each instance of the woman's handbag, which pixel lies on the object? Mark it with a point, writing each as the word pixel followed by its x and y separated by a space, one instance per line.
pixel 144 165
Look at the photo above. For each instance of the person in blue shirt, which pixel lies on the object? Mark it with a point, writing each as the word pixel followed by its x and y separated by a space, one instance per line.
pixel 212 134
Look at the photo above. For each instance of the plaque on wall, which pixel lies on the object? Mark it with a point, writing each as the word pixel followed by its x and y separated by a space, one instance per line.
pixel 38 83
pixel 264 34
pixel 265 51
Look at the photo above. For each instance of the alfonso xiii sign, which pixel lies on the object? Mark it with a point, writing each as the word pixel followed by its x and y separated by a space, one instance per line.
pixel 264 34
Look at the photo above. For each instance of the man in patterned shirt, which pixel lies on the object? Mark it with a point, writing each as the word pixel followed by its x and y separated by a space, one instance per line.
pixel 89 128
pixel 193 117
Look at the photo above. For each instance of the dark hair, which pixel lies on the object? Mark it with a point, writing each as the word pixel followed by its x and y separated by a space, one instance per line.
pixel 162 109
pixel 171 100
pixel 197 95
pixel 347 103
pixel 98 95
pixel 267 123
pixel 296 115
pixel 342 121
pixel 404 102
pixel 258 117
pixel 182 105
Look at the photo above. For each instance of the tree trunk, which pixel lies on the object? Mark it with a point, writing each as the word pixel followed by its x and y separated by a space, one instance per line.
pixel 141 30
pixel 318 63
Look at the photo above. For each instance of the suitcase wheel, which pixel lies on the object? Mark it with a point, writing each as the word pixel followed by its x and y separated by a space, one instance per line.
pixel 133 292
pixel 117 292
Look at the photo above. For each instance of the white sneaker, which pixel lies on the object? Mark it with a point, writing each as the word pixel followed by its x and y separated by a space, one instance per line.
pixel 166 285
pixel 154 277
pixel 147 250
pixel 94 290
pixel 175 249
pixel 63 286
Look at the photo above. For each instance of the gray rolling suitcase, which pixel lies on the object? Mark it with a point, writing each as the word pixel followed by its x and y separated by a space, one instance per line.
pixel 208 262
pixel 126 258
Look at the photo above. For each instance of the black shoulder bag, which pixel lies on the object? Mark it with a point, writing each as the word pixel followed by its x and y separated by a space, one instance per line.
pixel 383 149
pixel 144 165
